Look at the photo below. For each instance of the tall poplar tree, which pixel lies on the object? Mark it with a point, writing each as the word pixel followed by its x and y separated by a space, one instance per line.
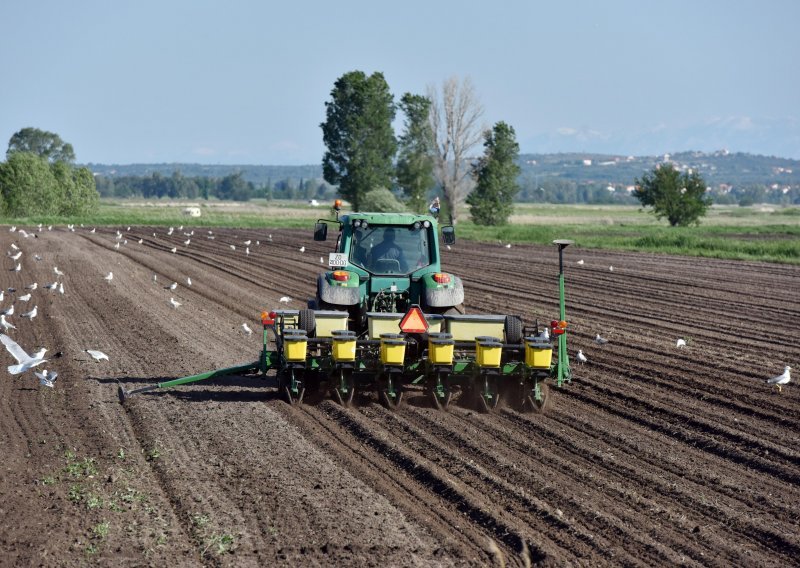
pixel 359 136
pixel 495 174
pixel 415 160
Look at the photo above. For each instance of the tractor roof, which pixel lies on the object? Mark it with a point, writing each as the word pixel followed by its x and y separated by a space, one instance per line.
pixel 387 218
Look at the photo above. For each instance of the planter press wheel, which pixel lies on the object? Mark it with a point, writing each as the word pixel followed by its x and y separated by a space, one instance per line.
pixel 392 402
pixel 441 403
pixel 344 390
pixel 307 322
pixel 287 382
pixel 530 404
pixel 512 328
pixel 488 397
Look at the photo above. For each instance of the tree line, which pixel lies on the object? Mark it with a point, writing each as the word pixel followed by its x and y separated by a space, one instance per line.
pixel 233 186
pixel 39 177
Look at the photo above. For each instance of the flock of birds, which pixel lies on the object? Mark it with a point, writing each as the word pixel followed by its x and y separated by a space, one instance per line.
pixel 26 362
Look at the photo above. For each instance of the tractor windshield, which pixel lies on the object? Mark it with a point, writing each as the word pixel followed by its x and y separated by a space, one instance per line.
pixel 390 249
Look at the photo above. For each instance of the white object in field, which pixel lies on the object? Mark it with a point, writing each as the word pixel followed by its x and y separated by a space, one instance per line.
pixel 24 361
pixel 97 355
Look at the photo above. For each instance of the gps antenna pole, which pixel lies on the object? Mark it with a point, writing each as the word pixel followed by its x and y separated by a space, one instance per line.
pixel 564 372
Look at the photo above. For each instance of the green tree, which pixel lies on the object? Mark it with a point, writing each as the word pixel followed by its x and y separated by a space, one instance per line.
pixel 382 200
pixel 415 160
pixel 44 144
pixel 28 186
pixel 495 173
pixel 359 137
pixel 680 197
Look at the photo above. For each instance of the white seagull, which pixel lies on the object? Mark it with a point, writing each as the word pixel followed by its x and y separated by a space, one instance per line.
pixel 24 361
pixel 681 342
pixel 57 271
pixel 24 298
pixel 580 261
pixel 61 288
pixel 173 250
pixel 171 286
pixel 782 379
pixel 51 286
pixel 31 314
pixel 581 357
pixel 16 256
pixel 611 269
pixel 9 311
pixel 188 281
pixel 17 268
pixel 109 277
pixel 246 329
pixel 47 378
pixel 600 340
pixel 233 247
pixel 302 249
pixel 285 299
pixel 96 355
pixel 5 324
pixel 546 334
pixel 32 286
pixel 174 303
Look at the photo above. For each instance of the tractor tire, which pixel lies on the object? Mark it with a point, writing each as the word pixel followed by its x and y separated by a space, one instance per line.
pixel 307 322
pixel 513 329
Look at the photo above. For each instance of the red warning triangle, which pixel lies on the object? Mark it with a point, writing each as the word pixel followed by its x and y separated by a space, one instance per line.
pixel 414 321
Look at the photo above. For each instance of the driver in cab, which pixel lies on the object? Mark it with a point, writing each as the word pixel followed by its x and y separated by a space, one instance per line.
pixel 388 250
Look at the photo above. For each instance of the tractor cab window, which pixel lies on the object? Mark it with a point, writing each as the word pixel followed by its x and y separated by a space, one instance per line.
pixel 390 249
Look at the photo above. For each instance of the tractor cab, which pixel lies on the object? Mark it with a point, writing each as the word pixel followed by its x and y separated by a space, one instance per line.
pixel 386 262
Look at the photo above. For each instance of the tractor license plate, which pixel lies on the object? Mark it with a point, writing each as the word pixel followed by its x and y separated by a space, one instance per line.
pixel 337 260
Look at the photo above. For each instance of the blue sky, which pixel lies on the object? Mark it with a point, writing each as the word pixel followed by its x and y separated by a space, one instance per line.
pixel 245 82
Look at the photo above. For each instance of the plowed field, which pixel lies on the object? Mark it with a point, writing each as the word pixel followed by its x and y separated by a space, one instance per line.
pixel 652 455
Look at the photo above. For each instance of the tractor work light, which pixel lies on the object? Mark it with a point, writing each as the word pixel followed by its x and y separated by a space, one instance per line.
pixel 426 224
pixel 440 278
pixel 357 223
pixel 341 275
pixel 417 225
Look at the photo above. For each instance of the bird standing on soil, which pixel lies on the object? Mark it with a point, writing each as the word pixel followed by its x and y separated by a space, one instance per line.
pixel 174 303
pixel 31 314
pixel 173 250
pixel 285 299
pixel 246 329
pixel 171 286
pixel 24 298
pixel 580 262
pixel 17 268
pixel 681 342
pixel 5 324
pixel 9 311
pixel 302 249
pixel 32 286
pixel 581 357
pixel 611 269
pixel 61 288
pixel 188 281
pixel 600 340
pixel 109 277
pixel 57 271
pixel 96 355
pixel 782 379
pixel 24 361
pixel 51 286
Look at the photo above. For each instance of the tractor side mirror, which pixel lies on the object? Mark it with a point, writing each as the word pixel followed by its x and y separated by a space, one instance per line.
pixel 449 234
pixel 320 231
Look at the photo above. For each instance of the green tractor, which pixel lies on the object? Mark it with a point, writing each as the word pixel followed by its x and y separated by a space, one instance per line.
pixel 386 319
pixel 386 263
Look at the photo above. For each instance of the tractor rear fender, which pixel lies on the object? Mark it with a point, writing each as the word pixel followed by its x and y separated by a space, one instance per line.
pixel 443 295
pixel 339 295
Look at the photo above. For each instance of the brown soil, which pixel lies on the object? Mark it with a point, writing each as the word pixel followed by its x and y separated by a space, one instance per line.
pixel 652 455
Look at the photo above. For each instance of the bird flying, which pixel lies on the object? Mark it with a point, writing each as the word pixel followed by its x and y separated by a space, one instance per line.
pixel 96 355
pixel 782 379
pixel 47 378
pixel 24 361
